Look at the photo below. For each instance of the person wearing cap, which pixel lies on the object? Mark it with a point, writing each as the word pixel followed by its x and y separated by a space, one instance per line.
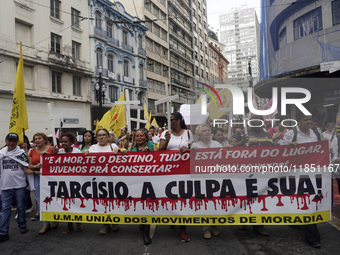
pixel 13 167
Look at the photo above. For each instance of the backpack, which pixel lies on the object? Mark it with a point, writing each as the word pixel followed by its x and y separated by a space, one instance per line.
pixel 295 134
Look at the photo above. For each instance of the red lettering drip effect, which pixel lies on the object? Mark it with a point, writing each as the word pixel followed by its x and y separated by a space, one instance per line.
pixel 244 203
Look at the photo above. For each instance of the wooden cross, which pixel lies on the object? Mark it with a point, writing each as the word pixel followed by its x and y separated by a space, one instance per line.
pixel 51 118
pixel 167 99
pixel 127 104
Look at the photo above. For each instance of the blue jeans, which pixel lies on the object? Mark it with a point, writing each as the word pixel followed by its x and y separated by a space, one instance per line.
pixel 7 197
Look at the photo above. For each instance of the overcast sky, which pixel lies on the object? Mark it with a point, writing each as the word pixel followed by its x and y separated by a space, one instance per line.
pixel 217 7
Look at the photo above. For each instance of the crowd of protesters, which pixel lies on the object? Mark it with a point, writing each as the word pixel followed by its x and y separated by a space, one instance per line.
pixel 21 166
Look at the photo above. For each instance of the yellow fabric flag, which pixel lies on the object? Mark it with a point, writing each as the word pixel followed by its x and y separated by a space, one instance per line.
pixel 154 123
pixel 19 122
pixel 147 117
pixel 114 119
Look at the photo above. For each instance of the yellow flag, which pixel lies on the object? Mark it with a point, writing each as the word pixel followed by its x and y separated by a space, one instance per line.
pixel 19 122
pixel 114 119
pixel 154 123
pixel 147 117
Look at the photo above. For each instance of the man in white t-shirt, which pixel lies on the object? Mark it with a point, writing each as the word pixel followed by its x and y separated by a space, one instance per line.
pixel 13 167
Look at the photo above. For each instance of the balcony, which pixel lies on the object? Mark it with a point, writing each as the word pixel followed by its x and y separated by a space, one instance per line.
pixel 127 47
pixel 113 40
pixel 100 32
pixel 129 80
pixel 104 72
pixel 141 51
pixel 113 76
pixel 143 83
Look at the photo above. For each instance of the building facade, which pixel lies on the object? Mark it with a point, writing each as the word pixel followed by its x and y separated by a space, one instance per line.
pixel 118 57
pixel 56 62
pixel 302 40
pixel 155 15
pixel 218 63
pixel 240 32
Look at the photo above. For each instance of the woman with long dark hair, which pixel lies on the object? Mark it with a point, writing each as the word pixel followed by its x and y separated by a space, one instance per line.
pixel 178 138
pixel 88 140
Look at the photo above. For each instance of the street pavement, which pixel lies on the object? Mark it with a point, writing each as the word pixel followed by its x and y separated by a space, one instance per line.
pixel 282 240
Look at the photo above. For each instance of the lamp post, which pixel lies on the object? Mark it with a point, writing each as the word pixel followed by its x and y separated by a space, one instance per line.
pixel 100 89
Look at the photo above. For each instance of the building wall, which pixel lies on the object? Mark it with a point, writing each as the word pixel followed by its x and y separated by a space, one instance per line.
pixel 32 23
pixel 218 64
pixel 239 31
pixel 287 51
pixel 118 46
pixel 155 13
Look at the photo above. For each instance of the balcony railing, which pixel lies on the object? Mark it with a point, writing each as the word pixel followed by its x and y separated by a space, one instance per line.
pixel 127 79
pixel 141 51
pixel 112 76
pixel 100 32
pixel 127 47
pixel 143 83
pixel 113 40
pixel 104 72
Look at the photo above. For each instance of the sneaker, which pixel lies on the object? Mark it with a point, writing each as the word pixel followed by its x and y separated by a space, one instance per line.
pixel 215 231
pixel 207 234
pixel 184 237
pixel 29 210
pixel 114 227
pixel 262 231
pixel 105 229
pixel 317 245
pixel 3 238
pixel 35 217
pixel 23 230
pixel 16 216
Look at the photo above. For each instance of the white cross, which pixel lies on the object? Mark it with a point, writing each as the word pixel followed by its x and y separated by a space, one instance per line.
pixel 51 118
pixel 127 102
pixel 167 99
pixel 139 120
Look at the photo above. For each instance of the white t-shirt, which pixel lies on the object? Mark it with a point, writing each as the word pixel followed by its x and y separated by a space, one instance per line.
pixel 75 150
pixel 177 142
pixel 13 175
pixel 98 148
pixel 201 145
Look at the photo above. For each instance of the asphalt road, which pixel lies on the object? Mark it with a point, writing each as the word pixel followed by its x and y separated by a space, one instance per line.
pixel 282 240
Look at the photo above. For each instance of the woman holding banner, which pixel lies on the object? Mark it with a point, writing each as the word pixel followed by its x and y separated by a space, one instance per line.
pixel 203 140
pixel 141 143
pixel 104 145
pixel 67 139
pixel 177 139
pixel 34 157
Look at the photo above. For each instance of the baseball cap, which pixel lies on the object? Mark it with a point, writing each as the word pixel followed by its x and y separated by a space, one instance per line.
pixel 12 136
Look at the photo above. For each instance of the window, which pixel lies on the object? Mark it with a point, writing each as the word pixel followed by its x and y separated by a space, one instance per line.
pixel 141 72
pixel 55 43
pixel 125 37
pixel 163 17
pixel 99 56
pixel 98 18
pixel 308 23
pixel 113 93
pixel 55 8
pixel 76 86
pixel 140 41
pixel 336 12
pixel 158 68
pixel 157 48
pixel 147 5
pixel 126 68
pixel 110 63
pixel 148 24
pixel 23 33
pixel 283 37
pixel 109 29
pixel 149 44
pixel 157 30
pixel 155 11
pixel 164 35
pixel 75 50
pixel 56 82
pixel 131 94
pixel 75 18
pixel 165 53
